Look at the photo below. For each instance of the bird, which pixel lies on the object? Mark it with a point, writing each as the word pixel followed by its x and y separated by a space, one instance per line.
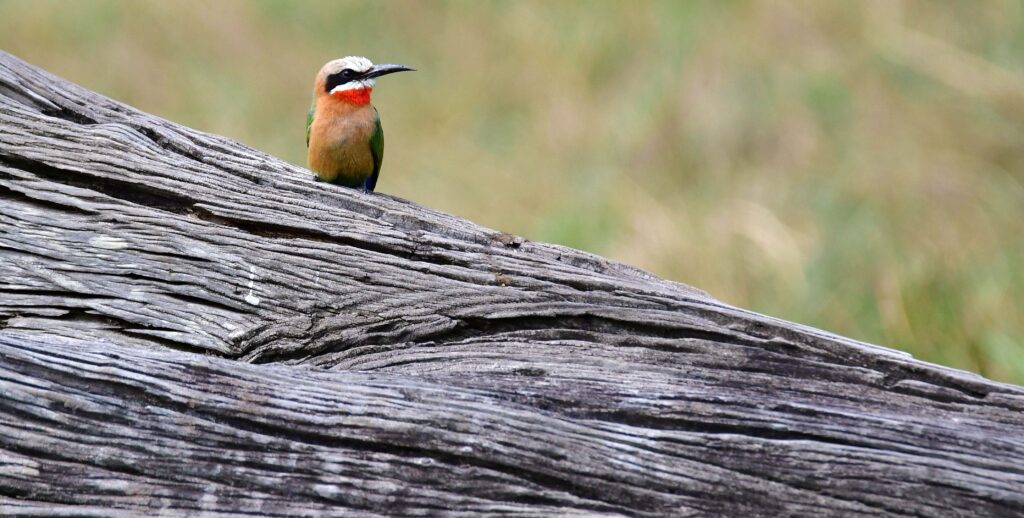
pixel 344 139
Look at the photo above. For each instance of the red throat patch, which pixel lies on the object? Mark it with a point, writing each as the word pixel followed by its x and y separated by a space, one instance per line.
pixel 357 96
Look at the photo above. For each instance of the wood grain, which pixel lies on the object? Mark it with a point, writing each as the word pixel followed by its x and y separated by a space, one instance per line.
pixel 190 326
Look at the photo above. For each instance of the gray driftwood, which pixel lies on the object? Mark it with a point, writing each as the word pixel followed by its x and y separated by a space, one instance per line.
pixel 188 325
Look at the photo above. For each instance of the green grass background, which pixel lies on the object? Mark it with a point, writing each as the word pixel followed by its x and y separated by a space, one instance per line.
pixel 855 166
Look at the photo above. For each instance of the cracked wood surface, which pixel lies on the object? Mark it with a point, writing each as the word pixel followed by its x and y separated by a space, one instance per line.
pixel 362 354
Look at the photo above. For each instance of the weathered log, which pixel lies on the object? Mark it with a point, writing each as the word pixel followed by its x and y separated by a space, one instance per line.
pixel 361 354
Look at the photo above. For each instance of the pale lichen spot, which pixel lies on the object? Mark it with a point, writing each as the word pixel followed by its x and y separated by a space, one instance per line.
pixel 327 491
pixel 209 499
pixel 108 242
pixel 251 297
pixel 200 252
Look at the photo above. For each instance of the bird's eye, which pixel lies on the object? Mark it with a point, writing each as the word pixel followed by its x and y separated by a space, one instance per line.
pixel 340 78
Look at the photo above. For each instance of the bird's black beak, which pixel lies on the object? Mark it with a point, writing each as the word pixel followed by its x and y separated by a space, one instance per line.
pixel 381 70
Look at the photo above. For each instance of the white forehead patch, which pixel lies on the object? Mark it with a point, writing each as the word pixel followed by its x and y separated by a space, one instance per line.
pixel 356 63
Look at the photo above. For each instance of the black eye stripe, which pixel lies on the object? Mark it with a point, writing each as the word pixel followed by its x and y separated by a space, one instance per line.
pixel 339 78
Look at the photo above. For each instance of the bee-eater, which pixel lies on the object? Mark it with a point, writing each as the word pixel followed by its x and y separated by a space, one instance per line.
pixel 344 140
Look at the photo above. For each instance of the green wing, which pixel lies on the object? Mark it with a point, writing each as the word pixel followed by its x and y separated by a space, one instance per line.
pixel 377 150
pixel 309 119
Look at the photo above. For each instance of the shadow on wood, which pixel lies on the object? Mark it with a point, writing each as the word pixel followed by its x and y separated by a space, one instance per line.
pixel 187 324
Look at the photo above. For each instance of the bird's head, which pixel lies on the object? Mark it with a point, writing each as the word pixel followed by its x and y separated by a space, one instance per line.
pixel 351 79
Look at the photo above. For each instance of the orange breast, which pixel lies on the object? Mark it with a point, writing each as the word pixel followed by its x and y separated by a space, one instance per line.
pixel 339 141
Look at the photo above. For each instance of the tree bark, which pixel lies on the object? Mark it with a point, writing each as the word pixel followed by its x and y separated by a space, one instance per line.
pixel 188 325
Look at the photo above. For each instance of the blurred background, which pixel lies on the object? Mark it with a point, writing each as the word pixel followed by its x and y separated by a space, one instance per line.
pixel 854 166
